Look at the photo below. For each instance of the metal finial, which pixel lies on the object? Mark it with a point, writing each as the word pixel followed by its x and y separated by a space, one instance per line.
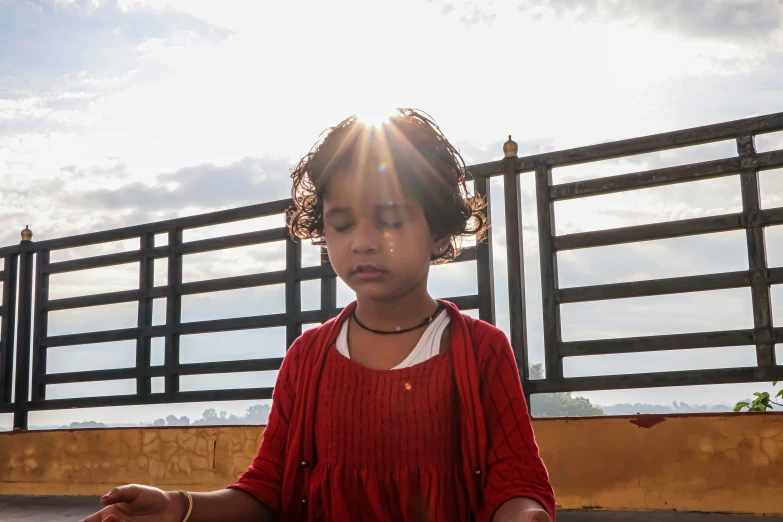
pixel 510 148
pixel 27 234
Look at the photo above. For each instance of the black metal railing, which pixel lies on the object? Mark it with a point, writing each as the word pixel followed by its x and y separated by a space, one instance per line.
pixel 27 267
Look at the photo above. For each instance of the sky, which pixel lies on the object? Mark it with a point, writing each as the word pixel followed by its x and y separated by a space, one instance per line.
pixel 121 112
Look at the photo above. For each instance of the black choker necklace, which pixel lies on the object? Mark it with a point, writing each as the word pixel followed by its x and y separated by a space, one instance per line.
pixel 398 331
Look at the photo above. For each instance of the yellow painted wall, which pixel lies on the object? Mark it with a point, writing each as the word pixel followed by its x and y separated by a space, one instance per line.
pixel 728 463
pixel 91 462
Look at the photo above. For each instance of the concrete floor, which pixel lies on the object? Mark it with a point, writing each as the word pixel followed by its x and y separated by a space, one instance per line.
pixel 61 509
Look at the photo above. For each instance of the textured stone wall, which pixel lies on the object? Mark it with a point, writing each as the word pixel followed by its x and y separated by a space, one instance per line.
pixel 717 463
pixel 90 462
pixel 725 463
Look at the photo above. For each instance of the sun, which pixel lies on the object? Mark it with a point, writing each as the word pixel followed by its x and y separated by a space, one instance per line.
pixel 374 116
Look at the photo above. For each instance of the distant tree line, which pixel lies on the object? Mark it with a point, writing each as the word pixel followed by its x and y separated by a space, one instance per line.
pixel 562 404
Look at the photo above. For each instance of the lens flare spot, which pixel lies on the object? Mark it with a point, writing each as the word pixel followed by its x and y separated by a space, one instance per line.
pixel 383 167
pixel 408 386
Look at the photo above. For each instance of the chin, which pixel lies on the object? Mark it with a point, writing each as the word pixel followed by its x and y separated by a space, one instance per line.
pixel 378 292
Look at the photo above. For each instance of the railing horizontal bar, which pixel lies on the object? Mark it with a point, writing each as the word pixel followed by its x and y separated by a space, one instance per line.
pixel 316 272
pixel 466 254
pixel 685 227
pixel 646 179
pixel 657 343
pixel 10 250
pixel 2 274
pixel 86 263
pixel 772 216
pixel 237 240
pixel 656 380
pixel 764 160
pixel 232 283
pixel 775 276
pixel 197 221
pixel 664 176
pixel 106 336
pixel 251 365
pixel 466 302
pixel 159 371
pixel 196 327
pixel 633 146
pixel 252 280
pixel 153 398
pixel 101 375
pixel 240 323
pixel 196 287
pixel 675 285
pixel 485 170
pixel 657 142
pixel 67 303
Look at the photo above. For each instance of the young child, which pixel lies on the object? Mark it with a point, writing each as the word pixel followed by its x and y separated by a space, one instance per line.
pixel 401 408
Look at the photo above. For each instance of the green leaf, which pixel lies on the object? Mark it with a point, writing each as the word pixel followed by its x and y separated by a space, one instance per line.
pixel 741 405
pixel 780 394
pixel 774 383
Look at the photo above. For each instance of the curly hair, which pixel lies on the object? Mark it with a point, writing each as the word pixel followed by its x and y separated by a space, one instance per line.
pixel 429 168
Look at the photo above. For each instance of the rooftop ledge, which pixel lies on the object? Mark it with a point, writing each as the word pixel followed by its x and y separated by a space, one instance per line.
pixel 56 509
pixel 669 464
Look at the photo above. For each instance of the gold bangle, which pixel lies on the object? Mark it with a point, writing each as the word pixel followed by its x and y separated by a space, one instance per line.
pixel 190 505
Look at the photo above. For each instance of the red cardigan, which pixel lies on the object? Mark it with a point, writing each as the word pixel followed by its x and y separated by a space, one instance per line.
pixel 501 458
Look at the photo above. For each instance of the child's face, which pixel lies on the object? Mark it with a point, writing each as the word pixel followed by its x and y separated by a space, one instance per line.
pixel 377 237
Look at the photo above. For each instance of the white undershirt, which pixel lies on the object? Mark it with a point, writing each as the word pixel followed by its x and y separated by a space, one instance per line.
pixel 427 347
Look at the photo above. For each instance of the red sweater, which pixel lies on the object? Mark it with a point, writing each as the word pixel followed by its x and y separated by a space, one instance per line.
pixel 446 439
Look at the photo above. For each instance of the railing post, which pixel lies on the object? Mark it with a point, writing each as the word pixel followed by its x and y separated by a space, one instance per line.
pixel 40 324
pixel 293 294
pixel 757 256
pixel 7 326
pixel 515 259
pixel 484 260
pixel 549 282
pixel 25 314
pixel 144 320
pixel 173 313
pixel 328 290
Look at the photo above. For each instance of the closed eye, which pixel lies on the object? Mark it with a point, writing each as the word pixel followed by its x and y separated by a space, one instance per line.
pixel 342 228
pixel 386 224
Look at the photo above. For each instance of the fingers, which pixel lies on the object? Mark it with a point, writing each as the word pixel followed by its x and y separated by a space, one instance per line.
pixel 126 494
pixel 104 515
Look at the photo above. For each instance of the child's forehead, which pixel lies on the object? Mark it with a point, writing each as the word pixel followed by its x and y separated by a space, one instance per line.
pixel 374 189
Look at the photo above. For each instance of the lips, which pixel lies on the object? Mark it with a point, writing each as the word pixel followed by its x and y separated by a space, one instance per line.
pixel 368 272
pixel 366 269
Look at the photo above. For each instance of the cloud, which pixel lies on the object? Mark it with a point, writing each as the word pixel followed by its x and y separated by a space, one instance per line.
pixel 54 38
pixel 709 19
pixel 59 59
pixel 471 12
pixel 80 207
pixel 246 181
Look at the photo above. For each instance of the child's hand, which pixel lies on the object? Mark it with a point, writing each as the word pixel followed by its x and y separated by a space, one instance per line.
pixel 140 504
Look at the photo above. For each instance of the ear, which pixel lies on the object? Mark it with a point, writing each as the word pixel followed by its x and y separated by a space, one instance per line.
pixel 440 245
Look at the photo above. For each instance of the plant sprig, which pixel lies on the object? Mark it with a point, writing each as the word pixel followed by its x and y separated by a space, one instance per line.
pixel 762 402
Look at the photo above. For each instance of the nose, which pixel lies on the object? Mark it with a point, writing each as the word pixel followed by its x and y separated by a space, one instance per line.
pixel 366 238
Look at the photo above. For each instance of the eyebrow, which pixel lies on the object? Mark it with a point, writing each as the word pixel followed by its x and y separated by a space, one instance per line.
pixel 384 206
